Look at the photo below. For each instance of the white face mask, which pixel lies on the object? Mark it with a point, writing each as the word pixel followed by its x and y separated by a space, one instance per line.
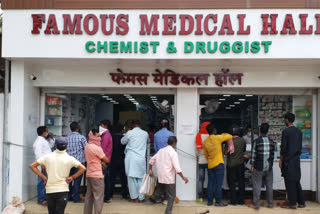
pixel 101 130
pixel 249 134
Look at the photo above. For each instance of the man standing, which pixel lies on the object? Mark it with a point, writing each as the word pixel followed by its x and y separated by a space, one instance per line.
pixel 167 165
pixel 262 163
pixel 202 160
pixel 41 147
pixel 76 145
pixel 106 144
pixel 161 136
pixel 213 152
pixel 95 182
pixel 291 144
pixel 135 160
pixel 58 165
pixel 248 136
pixel 235 168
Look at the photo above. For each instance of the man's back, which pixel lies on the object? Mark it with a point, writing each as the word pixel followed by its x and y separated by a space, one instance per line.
pixel 263 153
pixel 41 147
pixel 76 145
pixel 58 165
pixel 291 143
pixel 236 158
pixel 137 140
pixel 161 138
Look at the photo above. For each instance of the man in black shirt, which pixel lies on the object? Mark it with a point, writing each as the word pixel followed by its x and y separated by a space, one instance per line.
pixel 291 143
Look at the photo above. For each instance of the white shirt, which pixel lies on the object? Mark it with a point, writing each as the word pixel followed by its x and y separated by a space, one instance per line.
pixel 58 165
pixel 41 147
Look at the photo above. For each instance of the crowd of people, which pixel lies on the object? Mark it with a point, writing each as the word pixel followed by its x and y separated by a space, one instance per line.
pixel 116 150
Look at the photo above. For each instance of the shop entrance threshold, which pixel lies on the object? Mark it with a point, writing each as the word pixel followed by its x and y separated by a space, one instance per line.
pixel 119 206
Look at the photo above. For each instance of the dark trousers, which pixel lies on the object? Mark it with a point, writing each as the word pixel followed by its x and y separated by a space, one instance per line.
pixel 215 181
pixel 294 191
pixel 57 202
pixel 169 190
pixel 201 178
pixel 235 177
pixel 107 183
pixel 41 188
pixel 74 186
pixel 118 170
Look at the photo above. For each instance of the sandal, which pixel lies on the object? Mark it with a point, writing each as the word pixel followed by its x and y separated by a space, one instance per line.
pixel 43 203
pixel 253 206
pixel 289 207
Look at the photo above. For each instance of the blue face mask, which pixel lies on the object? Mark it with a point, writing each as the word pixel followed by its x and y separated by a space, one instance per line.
pixel 249 134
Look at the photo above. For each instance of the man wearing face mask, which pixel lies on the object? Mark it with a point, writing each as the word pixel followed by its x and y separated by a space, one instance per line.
pixel 41 147
pixel 76 145
pixel 106 144
pixel 247 137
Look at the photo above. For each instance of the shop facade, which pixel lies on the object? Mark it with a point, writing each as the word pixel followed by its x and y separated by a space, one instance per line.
pixel 187 54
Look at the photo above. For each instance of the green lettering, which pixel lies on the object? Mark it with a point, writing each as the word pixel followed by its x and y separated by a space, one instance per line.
pixel 247 47
pixel 103 46
pixel 188 47
pixel 88 44
pixel 136 47
pixel 154 46
pixel 237 47
pixel 266 45
pixel 255 47
pixel 125 47
pixel 200 46
pixel 144 47
pixel 225 47
pixel 215 48
pixel 113 46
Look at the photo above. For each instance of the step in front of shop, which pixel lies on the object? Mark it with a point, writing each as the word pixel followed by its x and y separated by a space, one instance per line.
pixel 123 207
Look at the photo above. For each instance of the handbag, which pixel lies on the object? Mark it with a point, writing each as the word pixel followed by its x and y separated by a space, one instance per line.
pixel 148 185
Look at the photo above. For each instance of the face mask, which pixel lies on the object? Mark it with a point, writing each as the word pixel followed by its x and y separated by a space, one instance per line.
pixel 101 130
pixel 249 134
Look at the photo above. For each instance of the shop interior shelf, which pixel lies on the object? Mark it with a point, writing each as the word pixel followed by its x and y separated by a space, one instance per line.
pixel 54 115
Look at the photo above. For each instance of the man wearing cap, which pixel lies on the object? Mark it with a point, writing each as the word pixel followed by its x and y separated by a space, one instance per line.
pixel 161 137
pixel 58 165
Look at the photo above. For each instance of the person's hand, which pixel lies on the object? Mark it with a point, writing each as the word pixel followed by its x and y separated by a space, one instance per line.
pixel 43 168
pixel 103 164
pixel 45 179
pixel 150 173
pixel 185 180
pixel 50 135
pixel 69 179
pixel 280 164
pixel 252 168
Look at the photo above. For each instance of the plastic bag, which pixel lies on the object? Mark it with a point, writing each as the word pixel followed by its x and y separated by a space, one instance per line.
pixel 16 207
pixel 148 185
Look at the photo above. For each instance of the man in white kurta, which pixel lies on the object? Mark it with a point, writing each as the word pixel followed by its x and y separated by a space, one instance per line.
pixel 136 141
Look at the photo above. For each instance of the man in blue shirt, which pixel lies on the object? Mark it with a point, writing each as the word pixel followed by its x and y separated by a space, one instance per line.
pixel 161 137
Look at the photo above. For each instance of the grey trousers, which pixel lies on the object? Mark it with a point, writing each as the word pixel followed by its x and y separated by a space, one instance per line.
pixel 170 191
pixel 94 196
pixel 257 177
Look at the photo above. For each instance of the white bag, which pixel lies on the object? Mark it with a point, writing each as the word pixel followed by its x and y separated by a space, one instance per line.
pixel 16 207
pixel 148 185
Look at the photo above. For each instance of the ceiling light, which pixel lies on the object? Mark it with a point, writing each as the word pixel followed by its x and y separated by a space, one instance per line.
pixel 104 96
pixel 222 99
pixel 219 102
pixel 136 103
pixel 116 103
pixel 228 107
pixel 132 99
pixel 236 102
pixel 109 98
pixel 112 101
pixel 242 99
pixel 226 95
pixel 153 97
pixel 232 105
pixel 249 95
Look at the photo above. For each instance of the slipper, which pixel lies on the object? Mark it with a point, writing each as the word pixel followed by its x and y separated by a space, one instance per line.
pixel 43 203
pixel 253 206
pixel 289 207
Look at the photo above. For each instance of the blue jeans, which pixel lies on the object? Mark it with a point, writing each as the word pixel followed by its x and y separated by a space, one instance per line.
pixel 202 176
pixel 74 186
pixel 215 181
pixel 41 188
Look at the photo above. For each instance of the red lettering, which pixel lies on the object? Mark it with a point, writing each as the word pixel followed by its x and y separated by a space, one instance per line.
pixel 70 26
pixel 226 24
pixel 95 24
pixel 148 26
pixel 214 17
pixel 199 19
pixel 168 21
pixel 123 27
pixel 37 22
pixel 318 24
pixel 52 27
pixel 288 24
pixel 304 30
pixel 266 24
pixel 104 24
pixel 183 30
pixel 241 30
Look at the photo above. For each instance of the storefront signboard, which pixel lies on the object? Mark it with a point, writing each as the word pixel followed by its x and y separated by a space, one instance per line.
pixel 177 34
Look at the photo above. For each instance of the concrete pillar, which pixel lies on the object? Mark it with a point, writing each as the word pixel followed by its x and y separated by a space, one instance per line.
pixel 187 100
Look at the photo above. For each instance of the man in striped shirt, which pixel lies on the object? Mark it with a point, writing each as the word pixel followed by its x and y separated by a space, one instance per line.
pixel 262 162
